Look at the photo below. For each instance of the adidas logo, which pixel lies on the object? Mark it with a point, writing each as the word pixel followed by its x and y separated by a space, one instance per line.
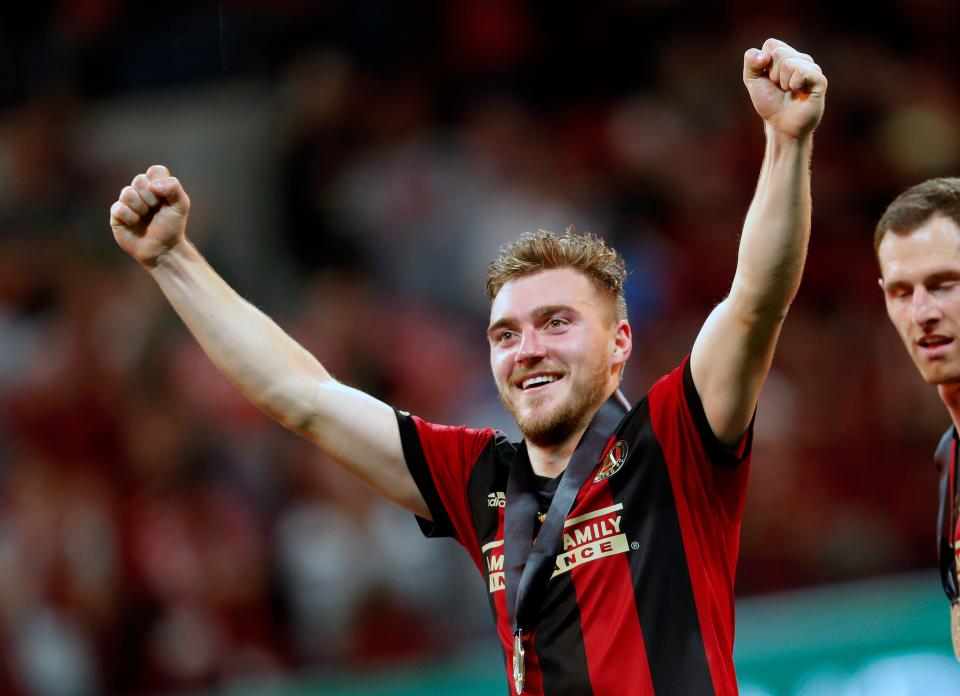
pixel 497 499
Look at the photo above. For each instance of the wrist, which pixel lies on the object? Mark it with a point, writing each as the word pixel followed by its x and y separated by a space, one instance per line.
pixel 783 145
pixel 779 138
pixel 173 258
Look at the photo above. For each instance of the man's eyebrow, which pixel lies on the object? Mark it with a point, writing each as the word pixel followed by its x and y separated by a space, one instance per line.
pixel 547 310
pixel 939 276
pixel 890 283
pixel 501 323
pixel 935 277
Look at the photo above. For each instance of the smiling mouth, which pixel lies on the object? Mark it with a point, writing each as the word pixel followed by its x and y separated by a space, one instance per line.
pixel 538 381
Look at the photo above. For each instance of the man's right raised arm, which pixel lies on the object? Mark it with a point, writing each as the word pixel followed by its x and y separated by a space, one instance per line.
pixel 272 370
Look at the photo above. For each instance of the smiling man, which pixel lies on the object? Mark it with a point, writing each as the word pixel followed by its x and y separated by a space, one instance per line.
pixel 917 243
pixel 608 537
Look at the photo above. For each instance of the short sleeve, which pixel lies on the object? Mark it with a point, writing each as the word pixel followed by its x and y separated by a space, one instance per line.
pixel 705 468
pixel 440 459
pixel 719 453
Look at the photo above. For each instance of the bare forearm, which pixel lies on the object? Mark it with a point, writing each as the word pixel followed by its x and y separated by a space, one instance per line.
pixel 776 230
pixel 271 369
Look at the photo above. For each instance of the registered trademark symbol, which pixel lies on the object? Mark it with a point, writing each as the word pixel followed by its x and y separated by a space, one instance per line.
pixel 634 545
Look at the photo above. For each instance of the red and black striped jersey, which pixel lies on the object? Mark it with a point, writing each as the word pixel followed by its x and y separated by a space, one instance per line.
pixel 640 600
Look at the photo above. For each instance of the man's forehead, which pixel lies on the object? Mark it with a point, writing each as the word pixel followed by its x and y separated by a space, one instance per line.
pixel 552 287
pixel 933 245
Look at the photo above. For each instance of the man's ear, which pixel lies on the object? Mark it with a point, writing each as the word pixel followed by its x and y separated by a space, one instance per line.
pixel 622 342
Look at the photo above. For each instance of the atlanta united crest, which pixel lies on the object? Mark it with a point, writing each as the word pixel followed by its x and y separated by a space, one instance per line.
pixel 614 460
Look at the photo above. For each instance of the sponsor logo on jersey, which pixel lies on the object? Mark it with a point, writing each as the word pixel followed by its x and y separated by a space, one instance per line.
pixel 591 536
pixel 614 461
pixel 495 574
pixel 497 499
pixel 585 538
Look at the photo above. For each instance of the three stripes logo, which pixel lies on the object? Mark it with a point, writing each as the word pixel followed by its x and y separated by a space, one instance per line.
pixel 497 499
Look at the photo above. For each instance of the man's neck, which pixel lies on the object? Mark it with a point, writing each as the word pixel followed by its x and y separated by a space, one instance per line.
pixel 950 395
pixel 552 461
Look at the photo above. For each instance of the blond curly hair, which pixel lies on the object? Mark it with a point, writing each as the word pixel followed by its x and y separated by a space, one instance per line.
pixel 543 250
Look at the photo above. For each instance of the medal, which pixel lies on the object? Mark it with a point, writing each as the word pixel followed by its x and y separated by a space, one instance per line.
pixel 519 669
pixel 954 628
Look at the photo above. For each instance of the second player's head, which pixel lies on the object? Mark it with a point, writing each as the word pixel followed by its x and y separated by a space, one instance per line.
pixel 917 243
pixel 558 331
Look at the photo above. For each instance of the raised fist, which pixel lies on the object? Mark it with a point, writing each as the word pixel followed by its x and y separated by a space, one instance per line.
pixel 787 87
pixel 150 215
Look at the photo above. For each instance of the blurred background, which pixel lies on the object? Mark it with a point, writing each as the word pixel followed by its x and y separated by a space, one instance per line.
pixel 353 165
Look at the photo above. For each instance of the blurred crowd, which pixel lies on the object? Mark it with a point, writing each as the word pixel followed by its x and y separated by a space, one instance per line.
pixel 353 166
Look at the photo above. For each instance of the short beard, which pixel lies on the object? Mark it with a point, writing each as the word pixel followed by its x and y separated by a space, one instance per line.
pixel 554 428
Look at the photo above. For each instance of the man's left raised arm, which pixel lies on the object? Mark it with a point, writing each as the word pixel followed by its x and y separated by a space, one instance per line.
pixel 732 354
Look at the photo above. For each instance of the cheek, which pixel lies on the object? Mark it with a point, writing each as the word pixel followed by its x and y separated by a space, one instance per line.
pixel 898 317
pixel 500 365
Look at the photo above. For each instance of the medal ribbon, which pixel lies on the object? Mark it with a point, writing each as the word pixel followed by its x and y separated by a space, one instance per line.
pixel 947 521
pixel 528 564
pixel 946 458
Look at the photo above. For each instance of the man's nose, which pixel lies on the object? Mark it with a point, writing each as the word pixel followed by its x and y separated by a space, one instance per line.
pixel 531 347
pixel 926 309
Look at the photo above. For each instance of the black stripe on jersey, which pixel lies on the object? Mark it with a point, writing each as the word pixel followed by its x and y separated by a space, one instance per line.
pixel 559 642
pixel 716 450
pixel 660 574
pixel 441 526
pixel 489 475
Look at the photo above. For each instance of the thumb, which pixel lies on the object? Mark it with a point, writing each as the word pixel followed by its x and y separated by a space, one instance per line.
pixel 755 64
pixel 170 190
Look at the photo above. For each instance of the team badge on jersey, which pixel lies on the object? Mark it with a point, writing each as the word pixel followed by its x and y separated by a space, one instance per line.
pixel 615 459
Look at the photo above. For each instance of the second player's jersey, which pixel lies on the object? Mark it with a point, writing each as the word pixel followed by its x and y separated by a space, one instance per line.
pixel 640 600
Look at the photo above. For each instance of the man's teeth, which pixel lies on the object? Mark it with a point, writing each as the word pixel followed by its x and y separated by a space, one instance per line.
pixel 537 381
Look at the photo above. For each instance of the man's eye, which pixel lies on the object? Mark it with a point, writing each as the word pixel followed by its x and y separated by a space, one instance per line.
pixel 505 336
pixel 557 323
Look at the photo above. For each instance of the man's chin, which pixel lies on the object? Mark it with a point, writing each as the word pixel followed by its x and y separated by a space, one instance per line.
pixel 548 427
pixel 939 372
pixel 546 433
pixel 941 378
pixel 552 417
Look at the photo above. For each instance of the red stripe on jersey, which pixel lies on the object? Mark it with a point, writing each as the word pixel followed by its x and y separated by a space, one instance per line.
pixel 708 498
pixel 533 681
pixel 450 453
pixel 504 632
pixel 612 636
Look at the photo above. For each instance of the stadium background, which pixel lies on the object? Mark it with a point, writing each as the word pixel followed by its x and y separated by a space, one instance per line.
pixel 353 165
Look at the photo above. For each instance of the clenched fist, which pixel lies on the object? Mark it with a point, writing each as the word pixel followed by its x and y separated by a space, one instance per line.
pixel 787 87
pixel 150 215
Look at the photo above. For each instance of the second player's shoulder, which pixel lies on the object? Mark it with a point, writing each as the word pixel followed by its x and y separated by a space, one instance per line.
pixel 945 448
